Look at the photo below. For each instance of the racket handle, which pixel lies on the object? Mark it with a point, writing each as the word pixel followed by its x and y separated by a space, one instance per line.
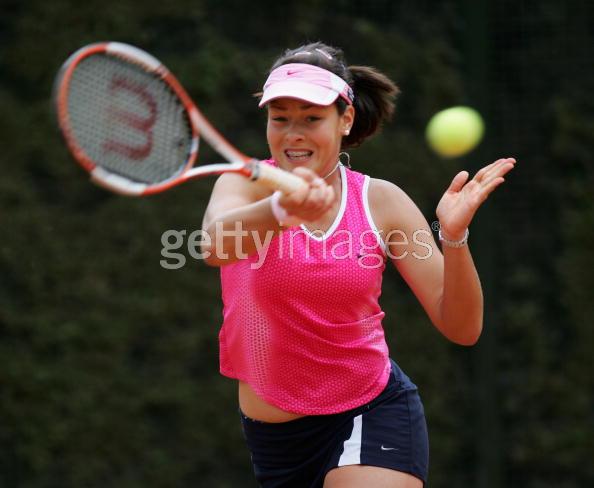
pixel 275 178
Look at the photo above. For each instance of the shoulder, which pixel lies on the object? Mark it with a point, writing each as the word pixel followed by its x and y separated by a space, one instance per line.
pixel 386 196
pixel 382 189
pixel 391 207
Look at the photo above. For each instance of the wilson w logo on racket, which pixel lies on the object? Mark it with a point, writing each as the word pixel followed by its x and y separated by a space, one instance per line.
pixel 128 121
pixel 139 122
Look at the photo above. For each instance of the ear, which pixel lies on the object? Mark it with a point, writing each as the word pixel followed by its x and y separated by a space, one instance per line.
pixel 348 118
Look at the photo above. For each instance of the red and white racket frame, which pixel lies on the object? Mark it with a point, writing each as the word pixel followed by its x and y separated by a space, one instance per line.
pixel 270 176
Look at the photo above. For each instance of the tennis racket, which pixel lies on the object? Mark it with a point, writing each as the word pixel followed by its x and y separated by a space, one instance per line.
pixel 128 121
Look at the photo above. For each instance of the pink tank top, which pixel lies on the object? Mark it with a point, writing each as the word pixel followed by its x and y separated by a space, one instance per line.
pixel 302 323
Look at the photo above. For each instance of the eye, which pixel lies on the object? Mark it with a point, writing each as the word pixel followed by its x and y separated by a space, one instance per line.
pixel 279 119
pixel 313 118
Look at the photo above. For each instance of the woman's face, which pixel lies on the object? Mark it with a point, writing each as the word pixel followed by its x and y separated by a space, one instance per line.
pixel 302 134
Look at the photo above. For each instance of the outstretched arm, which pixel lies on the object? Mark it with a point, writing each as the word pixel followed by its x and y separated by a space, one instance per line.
pixel 447 285
pixel 462 301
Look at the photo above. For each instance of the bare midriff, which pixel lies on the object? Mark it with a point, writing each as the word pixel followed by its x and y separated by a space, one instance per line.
pixel 255 408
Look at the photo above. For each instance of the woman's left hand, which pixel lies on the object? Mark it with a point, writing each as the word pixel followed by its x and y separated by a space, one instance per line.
pixel 463 198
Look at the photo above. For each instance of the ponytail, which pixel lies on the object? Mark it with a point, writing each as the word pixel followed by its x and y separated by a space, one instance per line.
pixel 374 103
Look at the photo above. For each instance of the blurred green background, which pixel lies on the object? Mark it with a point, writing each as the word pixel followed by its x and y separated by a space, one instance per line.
pixel 109 363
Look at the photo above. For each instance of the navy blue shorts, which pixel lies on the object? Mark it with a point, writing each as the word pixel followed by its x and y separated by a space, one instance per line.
pixel 390 432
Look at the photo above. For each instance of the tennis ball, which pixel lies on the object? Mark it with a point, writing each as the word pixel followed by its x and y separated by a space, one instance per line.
pixel 455 131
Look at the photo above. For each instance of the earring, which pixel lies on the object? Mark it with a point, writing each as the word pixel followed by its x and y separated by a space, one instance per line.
pixel 347 131
pixel 347 156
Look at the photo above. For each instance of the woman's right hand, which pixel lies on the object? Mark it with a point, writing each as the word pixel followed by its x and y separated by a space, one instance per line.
pixel 309 203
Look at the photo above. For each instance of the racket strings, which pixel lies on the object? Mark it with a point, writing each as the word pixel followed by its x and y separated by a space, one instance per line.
pixel 128 121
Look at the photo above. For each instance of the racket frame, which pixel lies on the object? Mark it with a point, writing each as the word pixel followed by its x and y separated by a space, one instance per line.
pixel 200 128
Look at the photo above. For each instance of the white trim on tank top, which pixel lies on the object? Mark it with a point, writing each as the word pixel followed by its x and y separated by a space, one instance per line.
pixel 370 220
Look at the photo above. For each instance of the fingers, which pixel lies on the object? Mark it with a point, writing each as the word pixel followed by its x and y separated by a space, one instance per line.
pixel 484 176
pixel 319 197
pixel 487 189
pixel 459 204
pixel 310 202
pixel 492 177
pixel 486 180
pixel 299 196
pixel 458 182
pixel 494 170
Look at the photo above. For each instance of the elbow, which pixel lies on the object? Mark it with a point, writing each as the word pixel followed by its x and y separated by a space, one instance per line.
pixel 469 338
pixel 217 253
pixel 467 341
pixel 462 334
pixel 208 250
pixel 212 261
pixel 212 256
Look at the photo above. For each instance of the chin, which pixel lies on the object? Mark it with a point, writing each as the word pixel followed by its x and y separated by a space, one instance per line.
pixel 289 165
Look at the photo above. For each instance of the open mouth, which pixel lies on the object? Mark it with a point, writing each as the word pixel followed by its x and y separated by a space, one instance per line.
pixel 298 156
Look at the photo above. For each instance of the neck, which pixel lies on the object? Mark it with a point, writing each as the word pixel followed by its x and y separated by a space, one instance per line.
pixel 333 178
pixel 333 171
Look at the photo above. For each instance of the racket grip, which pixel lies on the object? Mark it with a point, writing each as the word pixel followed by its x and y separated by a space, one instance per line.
pixel 275 178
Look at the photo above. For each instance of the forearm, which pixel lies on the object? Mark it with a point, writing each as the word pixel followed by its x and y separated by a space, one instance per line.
pixel 461 306
pixel 240 232
pixel 462 299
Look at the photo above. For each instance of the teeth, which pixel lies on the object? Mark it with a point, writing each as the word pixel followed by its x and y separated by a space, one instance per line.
pixel 298 154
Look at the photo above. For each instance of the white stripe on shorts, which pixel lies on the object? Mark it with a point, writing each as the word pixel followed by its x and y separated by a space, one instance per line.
pixel 351 453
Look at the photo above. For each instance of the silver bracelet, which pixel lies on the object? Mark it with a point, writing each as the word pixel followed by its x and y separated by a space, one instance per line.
pixel 461 243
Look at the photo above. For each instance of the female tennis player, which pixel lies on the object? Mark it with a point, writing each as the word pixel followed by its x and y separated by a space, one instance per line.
pixel 321 402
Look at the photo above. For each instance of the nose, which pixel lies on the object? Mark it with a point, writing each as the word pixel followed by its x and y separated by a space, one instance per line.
pixel 294 133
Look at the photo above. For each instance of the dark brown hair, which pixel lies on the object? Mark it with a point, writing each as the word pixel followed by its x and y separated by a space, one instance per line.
pixel 374 92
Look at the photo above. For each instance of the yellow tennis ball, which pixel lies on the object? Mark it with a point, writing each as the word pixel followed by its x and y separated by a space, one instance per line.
pixel 455 131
